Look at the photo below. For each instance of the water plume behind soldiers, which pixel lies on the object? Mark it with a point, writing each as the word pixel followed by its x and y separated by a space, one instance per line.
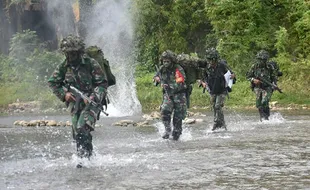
pixel 111 28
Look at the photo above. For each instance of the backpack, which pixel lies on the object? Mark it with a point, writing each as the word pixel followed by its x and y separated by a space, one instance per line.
pixel 96 53
pixel 275 67
pixel 190 65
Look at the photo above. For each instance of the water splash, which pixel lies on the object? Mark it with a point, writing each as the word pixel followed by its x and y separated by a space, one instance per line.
pixel 275 118
pixel 186 134
pixel 111 28
pixel 103 160
pixel 160 127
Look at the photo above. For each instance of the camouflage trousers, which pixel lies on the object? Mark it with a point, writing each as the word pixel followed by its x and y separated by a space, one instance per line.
pixel 175 104
pixel 262 97
pixel 83 122
pixel 217 103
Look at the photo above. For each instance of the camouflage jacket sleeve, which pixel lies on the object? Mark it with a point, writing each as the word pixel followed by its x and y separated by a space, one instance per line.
pixel 174 78
pixel 250 74
pixel 273 76
pixel 157 74
pixel 99 80
pixel 56 81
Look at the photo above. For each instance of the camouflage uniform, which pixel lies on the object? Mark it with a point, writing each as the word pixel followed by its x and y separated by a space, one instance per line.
pixel 277 73
pixel 214 77
pixel 86 75
pixel 172 80
pixel 192 71
pixel 262 71
pixel 190 65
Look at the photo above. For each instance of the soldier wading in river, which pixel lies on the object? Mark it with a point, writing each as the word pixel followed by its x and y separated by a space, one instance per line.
pixel 172 79
pixel 86 75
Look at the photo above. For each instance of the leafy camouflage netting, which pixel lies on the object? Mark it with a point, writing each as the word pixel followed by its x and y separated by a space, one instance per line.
pixel 191 66
pixel 96 53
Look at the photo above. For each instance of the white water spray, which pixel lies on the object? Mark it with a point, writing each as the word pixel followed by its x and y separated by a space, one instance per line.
pixel 111 29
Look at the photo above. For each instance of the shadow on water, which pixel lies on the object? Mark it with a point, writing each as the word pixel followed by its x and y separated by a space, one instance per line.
pixel 272 154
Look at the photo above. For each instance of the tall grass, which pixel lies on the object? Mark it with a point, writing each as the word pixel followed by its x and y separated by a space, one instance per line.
pixel 241 96
pixel 150 96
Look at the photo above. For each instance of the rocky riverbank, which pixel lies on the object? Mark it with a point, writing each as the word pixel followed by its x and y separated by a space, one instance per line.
pixel 34 107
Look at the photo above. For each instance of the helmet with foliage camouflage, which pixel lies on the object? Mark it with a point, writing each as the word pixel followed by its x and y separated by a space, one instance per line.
pixel 212 54
pixel 168 54
pixel 262 54
pixel 72 43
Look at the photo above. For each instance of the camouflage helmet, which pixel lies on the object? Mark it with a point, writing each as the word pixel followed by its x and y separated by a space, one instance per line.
pixel 212 53
pixel 168 54
pixel 262 54
pixel 72 43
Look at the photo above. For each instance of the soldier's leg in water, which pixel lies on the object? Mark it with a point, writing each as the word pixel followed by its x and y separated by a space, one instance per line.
pixel 86 124
pixel 84 142
pixel 74 119
pixel 266 96
pixel 179 114
pixel 218 112
pixel 212 104
pixel 258 93
pixel 166 111
pixel 218 108
pixel 188 94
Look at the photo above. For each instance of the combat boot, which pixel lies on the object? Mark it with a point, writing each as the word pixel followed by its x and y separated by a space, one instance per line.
pixel 166 135
pixel 84 145
pixel 215 126
pixel 177 128
pixel 261 114
pixel 167 132
pixel 176 135
pixel 267 113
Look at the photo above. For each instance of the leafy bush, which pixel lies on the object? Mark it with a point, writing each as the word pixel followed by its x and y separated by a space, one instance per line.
pixel 25 71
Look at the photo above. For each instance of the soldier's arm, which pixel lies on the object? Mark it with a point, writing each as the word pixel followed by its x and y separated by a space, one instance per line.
pixel 273 76
pixel 99 81
pixel 156 77
pixel 56 81
pixel 205 75
pixel 250 74
pixel 227 68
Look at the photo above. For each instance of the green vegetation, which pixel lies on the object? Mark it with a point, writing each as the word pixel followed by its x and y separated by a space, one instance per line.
pixel 241 96
pixel 238 29
pixel 24 73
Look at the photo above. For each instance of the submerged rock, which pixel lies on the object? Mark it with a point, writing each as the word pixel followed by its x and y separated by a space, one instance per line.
pixel 189 121
pixel 124 123
pixel 41 123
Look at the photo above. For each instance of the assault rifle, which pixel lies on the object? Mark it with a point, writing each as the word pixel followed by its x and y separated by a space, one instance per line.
pixel 270 84
pixel 157 73
pixel 204 89
pixel 79 95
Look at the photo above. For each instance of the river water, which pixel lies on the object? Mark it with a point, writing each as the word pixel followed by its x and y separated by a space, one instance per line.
pixel 274 154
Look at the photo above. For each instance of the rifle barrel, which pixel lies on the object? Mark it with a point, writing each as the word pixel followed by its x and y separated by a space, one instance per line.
pixel 76 91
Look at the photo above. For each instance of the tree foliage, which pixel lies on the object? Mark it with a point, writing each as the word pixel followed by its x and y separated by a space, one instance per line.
pixel 237 28
pixel 167 24
pixel 28 59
